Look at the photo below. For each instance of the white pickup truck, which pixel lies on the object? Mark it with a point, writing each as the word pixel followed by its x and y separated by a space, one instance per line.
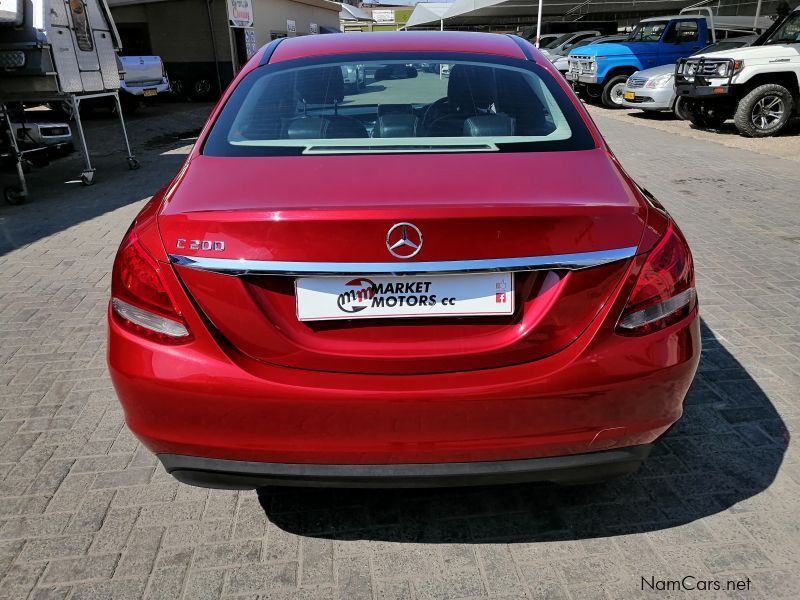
pixel 758 86
pixel 142 77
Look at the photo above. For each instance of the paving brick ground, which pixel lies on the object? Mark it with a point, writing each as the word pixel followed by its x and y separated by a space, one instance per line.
pixel 85 512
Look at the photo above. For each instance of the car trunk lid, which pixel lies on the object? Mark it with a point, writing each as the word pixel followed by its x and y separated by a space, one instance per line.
pixel 334 212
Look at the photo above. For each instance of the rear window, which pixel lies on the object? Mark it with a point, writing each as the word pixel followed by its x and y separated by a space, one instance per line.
pixel 403 105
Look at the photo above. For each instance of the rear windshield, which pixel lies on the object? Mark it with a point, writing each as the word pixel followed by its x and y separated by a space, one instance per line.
pixel 404 105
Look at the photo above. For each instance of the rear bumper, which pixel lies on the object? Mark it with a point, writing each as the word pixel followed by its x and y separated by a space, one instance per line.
pixel 232 474
pixel 603 392
pixel 138 90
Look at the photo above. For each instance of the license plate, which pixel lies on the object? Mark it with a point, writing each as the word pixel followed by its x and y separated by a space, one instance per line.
pixel 629 95
pixel 373 297
pixel 150 91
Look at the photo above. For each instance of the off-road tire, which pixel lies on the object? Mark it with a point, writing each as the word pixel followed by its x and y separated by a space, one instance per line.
pixel 606 97
pixel 770 95
pixel 679 109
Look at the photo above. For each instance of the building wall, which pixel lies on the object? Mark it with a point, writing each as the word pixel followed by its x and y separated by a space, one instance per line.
pixel 179 29
pixel 270 17
pixel 179 32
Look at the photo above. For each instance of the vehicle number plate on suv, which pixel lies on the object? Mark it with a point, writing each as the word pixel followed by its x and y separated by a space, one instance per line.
pixel 373 297
pixel 150 91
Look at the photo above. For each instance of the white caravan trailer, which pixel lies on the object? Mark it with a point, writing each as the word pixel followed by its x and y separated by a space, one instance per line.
pixel 58 51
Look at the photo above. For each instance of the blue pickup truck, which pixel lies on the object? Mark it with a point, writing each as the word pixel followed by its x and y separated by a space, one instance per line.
pixel 600 70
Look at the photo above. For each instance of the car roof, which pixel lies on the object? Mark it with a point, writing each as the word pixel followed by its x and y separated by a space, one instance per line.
pixel 745 40
pixel 397 41
pixel 670 17
pixel 604 37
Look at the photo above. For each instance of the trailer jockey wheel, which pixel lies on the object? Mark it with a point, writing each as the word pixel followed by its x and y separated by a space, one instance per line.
pixel 14 195
pixel 87 177
pixel 133 164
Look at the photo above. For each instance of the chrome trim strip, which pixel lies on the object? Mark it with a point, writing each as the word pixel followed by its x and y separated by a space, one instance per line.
pixel 242 266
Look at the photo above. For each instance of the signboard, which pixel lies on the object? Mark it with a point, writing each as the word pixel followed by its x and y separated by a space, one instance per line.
pixel 240 13
pixel 383 15
pixel 291 27
pixel 250 45
pixel 313 28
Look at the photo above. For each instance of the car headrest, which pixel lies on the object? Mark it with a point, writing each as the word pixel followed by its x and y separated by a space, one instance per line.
pixel 321 85
pixel 489 125
pixel 345 127
pixel 396 126
pixel 330 127
pixel 306 128
pixel 471 86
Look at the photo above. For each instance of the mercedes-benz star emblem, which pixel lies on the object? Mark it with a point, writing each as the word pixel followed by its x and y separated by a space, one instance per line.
pixel 404 240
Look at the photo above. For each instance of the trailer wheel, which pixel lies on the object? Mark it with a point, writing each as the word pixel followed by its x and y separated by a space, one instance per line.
pixel 14 195
pixel 764 111
pixel 613 90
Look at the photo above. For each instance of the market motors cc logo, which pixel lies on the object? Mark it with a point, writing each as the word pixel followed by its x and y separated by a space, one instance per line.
pixel 357 296
pixel 404 240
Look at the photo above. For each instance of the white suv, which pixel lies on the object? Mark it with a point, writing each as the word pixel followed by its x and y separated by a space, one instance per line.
pixel 757 86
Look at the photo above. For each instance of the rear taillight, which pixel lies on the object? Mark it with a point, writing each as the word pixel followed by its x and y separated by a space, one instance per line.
pixel 139 296
pixel 664 292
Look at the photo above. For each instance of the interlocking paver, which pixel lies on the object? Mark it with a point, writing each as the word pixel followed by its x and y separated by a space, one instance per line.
pixel 86 511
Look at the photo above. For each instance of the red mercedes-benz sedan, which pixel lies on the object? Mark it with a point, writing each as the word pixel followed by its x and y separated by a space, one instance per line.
pixel 440 277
